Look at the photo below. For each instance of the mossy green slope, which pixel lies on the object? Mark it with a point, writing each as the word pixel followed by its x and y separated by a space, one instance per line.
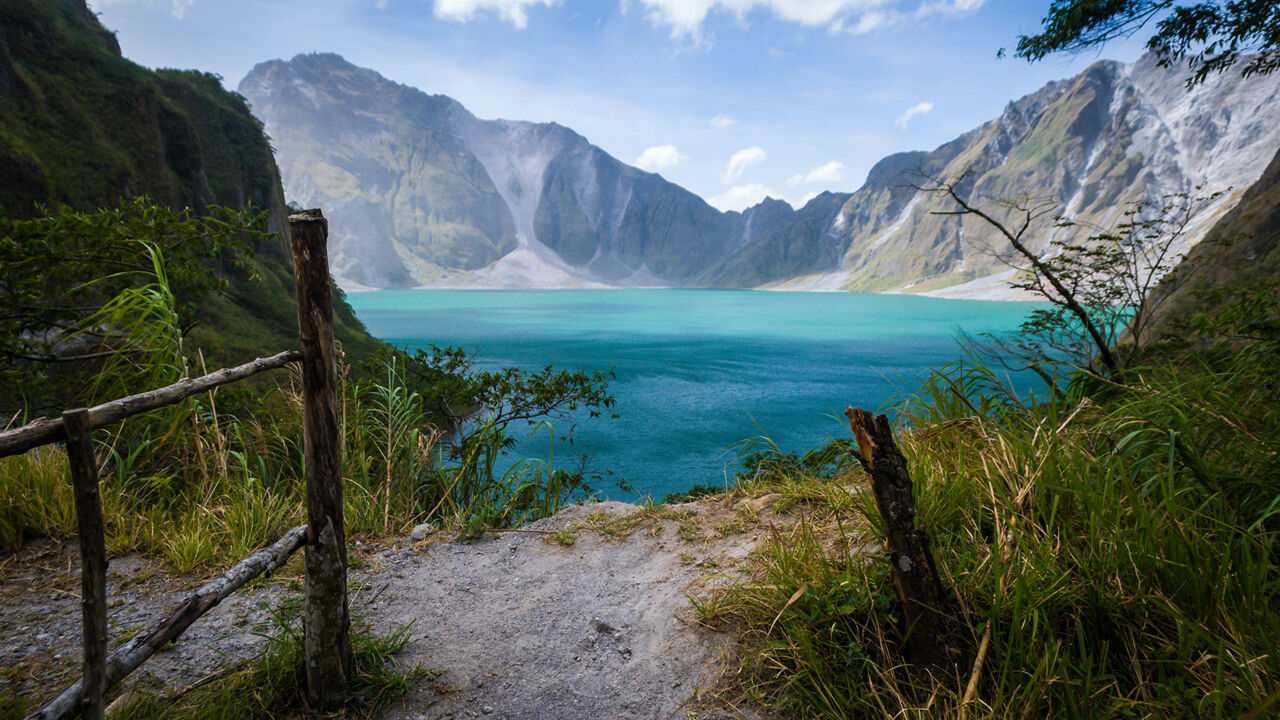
pixel 83 126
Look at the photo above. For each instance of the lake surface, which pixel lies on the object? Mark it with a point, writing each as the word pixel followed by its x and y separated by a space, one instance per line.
pixel 696 370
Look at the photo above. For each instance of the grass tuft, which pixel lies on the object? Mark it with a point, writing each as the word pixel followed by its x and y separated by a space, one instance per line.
pixel 272 686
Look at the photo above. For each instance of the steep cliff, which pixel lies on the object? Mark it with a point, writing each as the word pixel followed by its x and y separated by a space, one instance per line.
pixel 1239 260
pixel 426 193
pixel 81 125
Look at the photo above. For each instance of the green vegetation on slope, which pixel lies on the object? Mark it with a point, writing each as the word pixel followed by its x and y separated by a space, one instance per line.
pixel 1234 292
pixel 200 487
pixel 84 127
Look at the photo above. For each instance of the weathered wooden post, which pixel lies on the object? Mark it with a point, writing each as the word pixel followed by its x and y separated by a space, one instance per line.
pixel 936 642
pixel 93 559
pixel 325 615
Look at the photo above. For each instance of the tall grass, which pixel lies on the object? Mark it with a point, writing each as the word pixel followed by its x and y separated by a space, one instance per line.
pixel 201 487
pixel 35 496
pixel 273 686
pixel 1119 544
pixel 198 485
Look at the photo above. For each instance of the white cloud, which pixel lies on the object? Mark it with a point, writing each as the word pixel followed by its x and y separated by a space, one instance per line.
pixel 831 172
pixel 685 17
pixel 873 21
pixel 660 157
pixel 741 197
pixel 721 122
pixel 805 200
pixel 740 161
pixel 948 7
pixel 903 120
pixel 510 10
pixel 177 7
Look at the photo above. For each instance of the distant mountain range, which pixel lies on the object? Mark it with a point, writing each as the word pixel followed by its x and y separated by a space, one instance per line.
pixel 421 192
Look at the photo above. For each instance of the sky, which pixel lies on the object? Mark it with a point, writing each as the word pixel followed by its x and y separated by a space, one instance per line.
pixel 733 99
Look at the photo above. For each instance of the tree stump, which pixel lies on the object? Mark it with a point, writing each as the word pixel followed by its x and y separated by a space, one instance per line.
pixel 935 641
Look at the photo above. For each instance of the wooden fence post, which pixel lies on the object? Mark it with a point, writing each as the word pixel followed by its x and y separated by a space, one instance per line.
pixel 93 559
pixel 936 638
pixel 325 615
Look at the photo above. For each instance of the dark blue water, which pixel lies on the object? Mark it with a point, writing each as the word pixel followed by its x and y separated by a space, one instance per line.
pixel 696 370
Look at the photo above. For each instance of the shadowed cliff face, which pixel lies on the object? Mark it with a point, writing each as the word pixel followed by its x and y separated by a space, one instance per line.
pixel 83 126
pixel 423 192
pixel 1241 254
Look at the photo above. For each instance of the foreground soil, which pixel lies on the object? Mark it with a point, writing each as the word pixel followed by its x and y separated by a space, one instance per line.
pixel 583 615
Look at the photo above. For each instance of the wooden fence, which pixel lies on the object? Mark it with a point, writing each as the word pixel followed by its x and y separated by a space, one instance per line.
pixel 325 616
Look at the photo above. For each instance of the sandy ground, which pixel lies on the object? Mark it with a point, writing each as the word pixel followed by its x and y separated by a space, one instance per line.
pixel 40 620
pixel 519 624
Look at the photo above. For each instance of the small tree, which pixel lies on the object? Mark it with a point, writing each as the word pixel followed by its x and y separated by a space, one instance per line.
pixel 1101 290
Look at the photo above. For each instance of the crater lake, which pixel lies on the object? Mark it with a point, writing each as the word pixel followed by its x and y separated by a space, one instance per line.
pixel 695 371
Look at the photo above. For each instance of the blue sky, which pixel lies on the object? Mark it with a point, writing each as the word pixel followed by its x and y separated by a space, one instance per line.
pixel 733 99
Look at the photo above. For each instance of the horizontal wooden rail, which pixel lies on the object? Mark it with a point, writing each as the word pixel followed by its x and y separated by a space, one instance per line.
pixel 48 430
pixel 135 652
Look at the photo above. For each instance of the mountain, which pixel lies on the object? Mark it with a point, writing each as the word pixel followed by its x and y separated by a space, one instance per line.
pixel 81 125
pixel 1237 265
pixel 423 192
pixel 1086 147
pixel 420 191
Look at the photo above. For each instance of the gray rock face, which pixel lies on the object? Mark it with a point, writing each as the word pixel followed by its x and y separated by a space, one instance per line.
pixel 419 191
pixel 405 199
pixel 1087 147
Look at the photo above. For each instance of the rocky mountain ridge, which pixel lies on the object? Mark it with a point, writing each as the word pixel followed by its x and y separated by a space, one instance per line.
pixel 1086 147
pixel 421 192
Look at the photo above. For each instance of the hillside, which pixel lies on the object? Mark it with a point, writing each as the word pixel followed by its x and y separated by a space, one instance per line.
pixel 83 126
pixel 1238 260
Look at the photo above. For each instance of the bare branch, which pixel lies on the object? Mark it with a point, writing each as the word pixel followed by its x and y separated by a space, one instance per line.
pixel 1030 212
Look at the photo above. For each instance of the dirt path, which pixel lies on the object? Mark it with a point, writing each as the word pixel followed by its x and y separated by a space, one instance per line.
pixel 40 620
pixel 584 615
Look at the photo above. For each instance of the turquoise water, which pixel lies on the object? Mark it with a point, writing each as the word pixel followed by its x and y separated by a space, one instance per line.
pixel 696 370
